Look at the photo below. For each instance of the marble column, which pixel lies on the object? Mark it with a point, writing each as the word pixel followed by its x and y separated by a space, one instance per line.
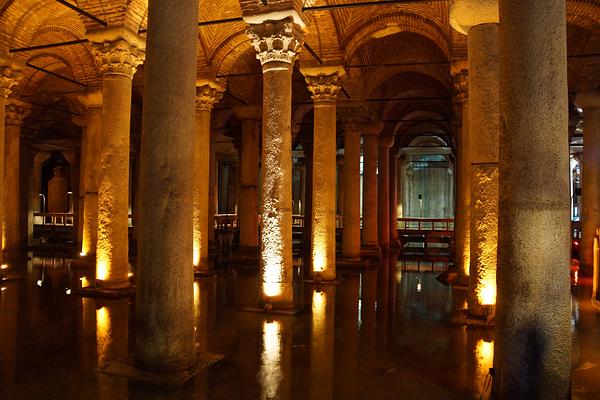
pixel 89 171
pixel 383 187
pixel 10 73
pixel 462 225
pixel 208 93
pixel 324 85
pixel 371 133
pixel 277 44
pixel 532 357
pixel 15 113
pixel 479 19
pixel 118 55
pixel 351 230
pixel 590 169
pixel 164 334
pixel 248 206
pixel 393 198
pixel 213 190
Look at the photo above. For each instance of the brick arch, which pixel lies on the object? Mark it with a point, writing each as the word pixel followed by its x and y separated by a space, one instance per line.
pixel 229 52
pixel 33 79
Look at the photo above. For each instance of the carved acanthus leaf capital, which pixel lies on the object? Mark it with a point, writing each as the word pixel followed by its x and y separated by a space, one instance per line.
pixel 10 74
pixel 16 111
pixel 118 57
pixel 324 83
pixel 276 41
pixel 208 93
pixel 461 83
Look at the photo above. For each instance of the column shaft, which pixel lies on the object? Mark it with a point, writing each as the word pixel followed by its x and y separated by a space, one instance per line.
pixel 165 303
pixel 533 332
pixel 590 189
pixel 383 196
pixel 393 199
pixel 351 230
pixel 369 208
pixel 12 190
pixel 201 176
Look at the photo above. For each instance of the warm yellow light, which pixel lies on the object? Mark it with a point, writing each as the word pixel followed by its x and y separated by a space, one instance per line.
pixel 270 374
pixel 196 294
pixel 101 268
pixel 4 266
pixel 3 288
pixel 484 354
pixel 319 262
pixel 487 293
pixel 83 254
pixel 319 303
pixel 129 274
pixel 84 282
pixel 196 255
pixel 103 330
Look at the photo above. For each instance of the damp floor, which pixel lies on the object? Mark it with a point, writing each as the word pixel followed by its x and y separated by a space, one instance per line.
pixel 377 334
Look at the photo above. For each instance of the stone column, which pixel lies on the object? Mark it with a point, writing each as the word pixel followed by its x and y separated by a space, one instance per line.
pixel 462 225
pixel 533 317
pixel 164 334
pixel 369 212
pixel 248 204
pixel 10 73
pixel 351 230
pixel 479 19
pixel 89 171
pixel 119 56
pixel 590 169
pixel 383 196
pixel 212 193
pixel 324 85
pixel 208 93
pixel 393 198
pixel 15 113
pixel 276 44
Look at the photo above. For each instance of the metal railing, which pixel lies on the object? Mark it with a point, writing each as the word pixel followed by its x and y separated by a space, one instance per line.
pixel 54 219
pixel 425 224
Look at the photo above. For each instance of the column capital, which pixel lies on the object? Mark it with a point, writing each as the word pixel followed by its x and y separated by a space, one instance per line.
pixel 589 99
pixel 465 14
pixel 386 141
pixel 118 51
pixel 352 116
pixel 276 41
pixel 208 93
pixel 373 128
pixel 16 112
pixel 460 75
pixel 91 99
pixel 323 82
pixel 11 71
pixel 79 120
pixel 253 113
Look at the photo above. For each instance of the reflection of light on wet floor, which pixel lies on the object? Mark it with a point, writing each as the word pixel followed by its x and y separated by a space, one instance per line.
pixel 484 354
pixel 270 374
pixel 103 332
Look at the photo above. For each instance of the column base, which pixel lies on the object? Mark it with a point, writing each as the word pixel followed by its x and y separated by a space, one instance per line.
pixel 160 379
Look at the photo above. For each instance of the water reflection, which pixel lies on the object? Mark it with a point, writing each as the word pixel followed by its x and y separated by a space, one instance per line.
pixel 322 344
pixel 9 295
pixel 271 375
pixel 112 333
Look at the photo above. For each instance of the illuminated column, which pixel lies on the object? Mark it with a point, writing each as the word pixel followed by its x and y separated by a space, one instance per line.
pixel 277 44
pixel 369 208
pixel 208 93
pixel 119 55
pixel 351 231
pixel 10 73
pixel 479 19
pixel 393 196
pixel 462 225
pixel 164 334
pixel 248 204
pixel 532 357
pixel 383 196
pixel 324 85
pixel 212 193
pixel 15 113
pixel 89 170
pixel 590 169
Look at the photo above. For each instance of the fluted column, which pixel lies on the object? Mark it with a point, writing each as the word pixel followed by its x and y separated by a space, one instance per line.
pixel 479 19
pixel 590 169
pixel 164 334
pixel 462 225
pixel 248 204
pixel 119 55
pixel 351 230
pixel 15 113
pixel 208 93
pixel 276 44
pixel 383 187
pixel 10 73
pixel 89 171
pixel 324 85
pixel 369 206
pixel 532 357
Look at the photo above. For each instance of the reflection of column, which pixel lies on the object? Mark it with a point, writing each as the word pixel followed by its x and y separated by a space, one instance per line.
pixel 349 308
pixel 533 323
pixel 164 335
pixel 590 169
pixel 462 226
pixel 276 43
pixel 480 353
pixel 275 367
pixel 15 113
pixel 89 171
pixel 112 330
pixel 324 85
pixel 383 195
pixel 322 346
pixel 480 21
pixel 369 212
pixel 248 206
pixel 118 57
pixel 9 317
pixel 351 226
pixel 207 94
pixel 9 74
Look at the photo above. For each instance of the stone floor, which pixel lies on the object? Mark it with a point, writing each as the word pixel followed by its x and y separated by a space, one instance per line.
pixel 380 334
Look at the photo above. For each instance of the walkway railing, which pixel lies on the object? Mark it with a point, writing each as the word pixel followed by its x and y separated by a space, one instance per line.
pixel 425 224
pixel 54 219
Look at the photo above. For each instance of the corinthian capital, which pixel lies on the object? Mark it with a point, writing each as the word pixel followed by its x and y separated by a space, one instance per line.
pixel 276 41
pixel 118 57
pixel 208 93
pixel 460 74
pixel 324 82
pixel 16 111
pixel 10 73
